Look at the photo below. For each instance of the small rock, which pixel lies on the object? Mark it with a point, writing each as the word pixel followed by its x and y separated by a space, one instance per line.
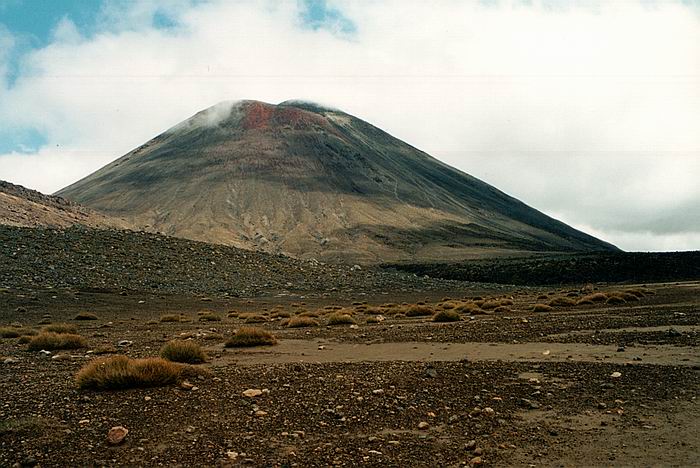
pixel 476 461
pixel 253 392
pixel 431 372
pixel 147 398
pixel 488 411
pixel 232 455
pixel 423 425
pixel 602 405
pixel 124 343
pixel 616 375
pixel 9 360
pixel 478 451
pixel 260 413
pixel 186 386
pixel 471 445
pixel 116 435
pixel 378 391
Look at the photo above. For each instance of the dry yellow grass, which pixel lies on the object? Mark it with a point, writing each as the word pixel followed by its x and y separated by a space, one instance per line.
pixel 85 316
pixel 170 318
pixel 250 336
pixel 416 310
pixel 446 316
pixel 183 351
pixel 562 302
pixel 340 319
pixel 301 321
pixel 61 328
pixel 121 372
pixel 14 332
pixel 50 341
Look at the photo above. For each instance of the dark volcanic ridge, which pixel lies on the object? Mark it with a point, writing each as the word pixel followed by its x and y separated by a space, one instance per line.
pixel 20 206
pixel 113 261
pixel 314 182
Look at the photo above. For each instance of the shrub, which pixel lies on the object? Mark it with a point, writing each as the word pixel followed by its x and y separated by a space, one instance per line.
pixel 542 308
pixel 418 311
pixel 86 316
pixel 301 321
pixel 562 302
pixel 120 372
pixel 183 351
pixel 340 319
pixel 50 341
pixel 170 318
pixel 446 316
pixel 250 336
pixel 61 328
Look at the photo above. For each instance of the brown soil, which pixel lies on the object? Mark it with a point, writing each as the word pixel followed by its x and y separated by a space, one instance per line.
pixel 355 396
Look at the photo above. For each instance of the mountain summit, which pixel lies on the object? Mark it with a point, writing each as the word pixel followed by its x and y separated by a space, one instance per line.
pixel 311 181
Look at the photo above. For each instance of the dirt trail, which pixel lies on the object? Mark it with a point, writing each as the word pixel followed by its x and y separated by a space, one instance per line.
pixel 331 351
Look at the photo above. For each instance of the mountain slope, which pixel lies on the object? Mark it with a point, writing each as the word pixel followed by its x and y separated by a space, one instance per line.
pixel 315 182
pixel 20 206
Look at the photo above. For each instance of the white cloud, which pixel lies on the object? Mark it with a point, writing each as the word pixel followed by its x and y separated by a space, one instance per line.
pixel 589 113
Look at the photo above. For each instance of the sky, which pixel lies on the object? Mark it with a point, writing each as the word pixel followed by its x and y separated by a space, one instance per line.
pixel 586 110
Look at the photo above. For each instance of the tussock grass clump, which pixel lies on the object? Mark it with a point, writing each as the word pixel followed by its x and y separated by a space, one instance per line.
pixel 373 311
pixel 208 317
pixel 615 300
pixel 85 316
pixel 61 328
pixel 14 332
pixel 340 319
pixel 595 297
pixel 446 316
pixel 542 308
pixel 250 336
pixel 418 311
pixel 306 313
pixel 121 372
pixel 51 341
pixel 301 321
pixel 188 352
pixel 373 319
pixel 281 314
pixel 501 309
pixel 507 302
pixel 170 318
pixel 584 301
pixel 254 318
pixel 490 305
pixel 447 305
pixel 562 302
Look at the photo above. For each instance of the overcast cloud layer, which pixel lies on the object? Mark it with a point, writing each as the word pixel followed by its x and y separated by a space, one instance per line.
pixel 589 113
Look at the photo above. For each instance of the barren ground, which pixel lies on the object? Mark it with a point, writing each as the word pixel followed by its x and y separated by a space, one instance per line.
pixel 349 396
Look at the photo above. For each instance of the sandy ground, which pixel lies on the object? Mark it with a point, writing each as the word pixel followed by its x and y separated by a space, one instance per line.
pixel 512 388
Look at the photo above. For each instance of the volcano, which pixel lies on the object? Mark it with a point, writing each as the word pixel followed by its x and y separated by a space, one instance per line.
pixel 314 182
